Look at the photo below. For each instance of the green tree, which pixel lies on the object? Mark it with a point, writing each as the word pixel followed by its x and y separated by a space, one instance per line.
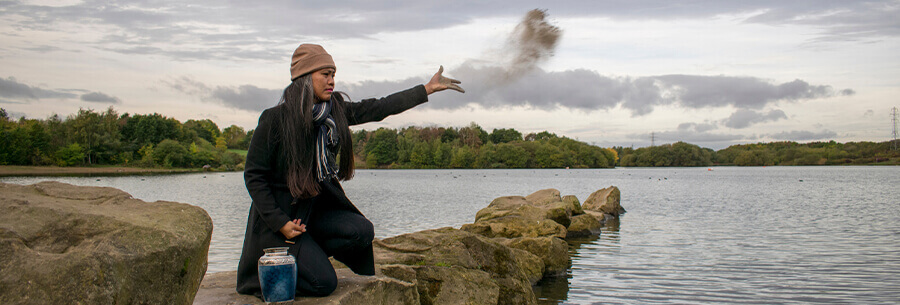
pixel 146 153
pixel 421 155
pixel 753 158
pixel 546 156
pixel 245 142
pixel 14 143
pixel 449 135
pixel 86 128
pixel 511 156
pixel 382 146
pixel 170 153
pixel 206 129
pixel 70 155
pixel 462 157
pixel 371 160
pixel 487 157
pixel 441 153
pixel 234 136
pixel 543 135
pixel 38 150
pixel 505 135
pixel 140 130
pixel 221 143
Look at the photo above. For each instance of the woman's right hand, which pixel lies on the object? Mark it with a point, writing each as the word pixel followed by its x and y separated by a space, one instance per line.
pixel 293 229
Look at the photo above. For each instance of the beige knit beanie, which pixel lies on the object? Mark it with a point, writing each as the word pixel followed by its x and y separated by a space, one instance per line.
pixel 308 58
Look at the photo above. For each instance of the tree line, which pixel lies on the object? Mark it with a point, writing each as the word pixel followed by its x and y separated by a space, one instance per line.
pixel 762 154
pixel 107 138
pixel 473 147
pixel 152 140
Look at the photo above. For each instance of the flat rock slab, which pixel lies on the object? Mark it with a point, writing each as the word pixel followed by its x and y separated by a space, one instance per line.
pixel 67 244
pixel 219 289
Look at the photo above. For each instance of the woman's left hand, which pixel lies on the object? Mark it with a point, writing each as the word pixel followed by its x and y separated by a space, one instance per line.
pixel 439 83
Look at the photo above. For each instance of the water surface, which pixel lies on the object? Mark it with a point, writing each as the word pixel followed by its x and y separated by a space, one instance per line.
pixel 691 235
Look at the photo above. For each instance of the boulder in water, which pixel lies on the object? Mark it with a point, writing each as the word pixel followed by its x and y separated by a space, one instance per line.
pixel 463 255
pixel 604 201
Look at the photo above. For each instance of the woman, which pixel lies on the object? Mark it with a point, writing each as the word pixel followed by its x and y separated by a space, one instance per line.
pixel 292 175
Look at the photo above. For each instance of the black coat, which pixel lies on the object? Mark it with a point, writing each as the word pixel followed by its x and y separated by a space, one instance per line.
pixel 265 174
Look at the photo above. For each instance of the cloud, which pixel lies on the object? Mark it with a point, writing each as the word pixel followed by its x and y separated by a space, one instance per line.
pixel 99 97
pixel 800 135
pixel 247 97
pixel 587 90
pixel 696 137
pixel 838 20
pixel 687 133
pixel 243 97
pixel 697 127
pixel 516 80
pixel 11 88
pixel 743 118
pixel 45 49
pixel 869 113
pixel 746 92
pixel 208 29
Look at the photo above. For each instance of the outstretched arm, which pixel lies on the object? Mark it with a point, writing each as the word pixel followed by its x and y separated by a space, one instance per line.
pixel 373 110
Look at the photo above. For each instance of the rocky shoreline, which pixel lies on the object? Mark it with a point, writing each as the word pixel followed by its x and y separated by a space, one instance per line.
pixel 514 242
pixel 61 243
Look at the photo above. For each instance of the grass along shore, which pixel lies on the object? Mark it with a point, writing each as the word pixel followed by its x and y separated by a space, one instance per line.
pixel 19 170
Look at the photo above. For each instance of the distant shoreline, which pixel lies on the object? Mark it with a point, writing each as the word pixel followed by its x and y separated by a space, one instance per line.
pixel 21 170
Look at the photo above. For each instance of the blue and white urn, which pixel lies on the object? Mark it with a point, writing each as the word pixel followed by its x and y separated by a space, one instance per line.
pixel 277 275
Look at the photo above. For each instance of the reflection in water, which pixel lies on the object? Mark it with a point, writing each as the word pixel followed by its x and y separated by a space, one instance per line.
pixel 555 290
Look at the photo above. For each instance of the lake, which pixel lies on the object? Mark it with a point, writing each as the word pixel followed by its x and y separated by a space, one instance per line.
pixel 774 235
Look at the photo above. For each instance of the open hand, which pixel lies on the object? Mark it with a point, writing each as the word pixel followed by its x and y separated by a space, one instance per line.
pixel 293 229
pixel 439 83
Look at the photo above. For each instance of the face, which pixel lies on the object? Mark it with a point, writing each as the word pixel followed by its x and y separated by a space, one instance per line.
pixel 323 83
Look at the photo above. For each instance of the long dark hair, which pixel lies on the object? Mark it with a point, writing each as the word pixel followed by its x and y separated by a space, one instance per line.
pixel 298 137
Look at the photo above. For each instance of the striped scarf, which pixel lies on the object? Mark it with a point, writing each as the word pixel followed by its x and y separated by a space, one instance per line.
pixel 326 141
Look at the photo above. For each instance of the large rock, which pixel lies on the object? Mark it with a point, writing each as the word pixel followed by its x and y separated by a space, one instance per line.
pixel 585 225
pixel 543 213
pixel 531 264
pixel 605 201
pixel 65 244
pixel 516 226
pixel 500 207
pixel 544 197
pixel 573 204
pixel 454 285
pixel 461 255
pixel 219 289
pixel 516 216
pixel 553 252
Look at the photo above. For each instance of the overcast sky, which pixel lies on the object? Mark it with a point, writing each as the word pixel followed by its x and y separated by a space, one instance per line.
pixel 712 73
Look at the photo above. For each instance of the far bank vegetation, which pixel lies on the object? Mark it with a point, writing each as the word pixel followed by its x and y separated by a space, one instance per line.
pixel 91 138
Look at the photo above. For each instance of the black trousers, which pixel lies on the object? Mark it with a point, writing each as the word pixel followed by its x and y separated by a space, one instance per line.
pixel 331 232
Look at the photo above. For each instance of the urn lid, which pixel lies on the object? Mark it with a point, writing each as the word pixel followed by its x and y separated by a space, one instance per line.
pixel 276 250
pixel 276 256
